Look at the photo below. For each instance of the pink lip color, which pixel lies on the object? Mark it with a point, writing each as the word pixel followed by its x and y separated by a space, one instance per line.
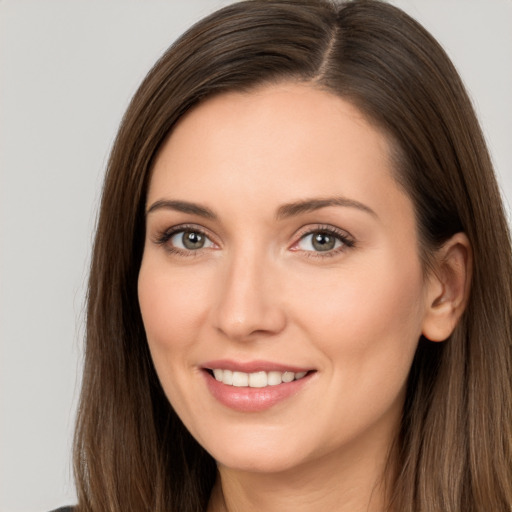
pixel 252 366
pixel 246 399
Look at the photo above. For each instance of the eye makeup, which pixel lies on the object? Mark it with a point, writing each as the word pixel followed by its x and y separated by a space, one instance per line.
pixel 313 241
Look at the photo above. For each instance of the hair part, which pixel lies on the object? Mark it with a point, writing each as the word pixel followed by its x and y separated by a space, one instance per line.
pixel 455 447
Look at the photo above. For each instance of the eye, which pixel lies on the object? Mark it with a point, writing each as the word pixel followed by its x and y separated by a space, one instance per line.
pixel 184 240
pixel 319 241
pixel 326 240
pixel 190 240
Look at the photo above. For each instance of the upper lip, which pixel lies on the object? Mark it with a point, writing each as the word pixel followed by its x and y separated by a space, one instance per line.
pixel 253 366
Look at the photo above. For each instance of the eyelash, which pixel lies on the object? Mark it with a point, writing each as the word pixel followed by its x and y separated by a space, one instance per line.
pixel 163 238
pixel 346 240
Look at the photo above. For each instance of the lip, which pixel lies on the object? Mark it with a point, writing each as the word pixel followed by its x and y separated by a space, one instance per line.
pixel 247 399
pixel 252 366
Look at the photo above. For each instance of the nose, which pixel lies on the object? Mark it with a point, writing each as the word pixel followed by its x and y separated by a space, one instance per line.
pixel 249 302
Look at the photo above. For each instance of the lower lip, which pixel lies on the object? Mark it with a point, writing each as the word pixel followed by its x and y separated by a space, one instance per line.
pixel 246 399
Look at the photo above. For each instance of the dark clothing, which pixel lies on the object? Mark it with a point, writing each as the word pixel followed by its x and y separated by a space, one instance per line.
pixel 63 509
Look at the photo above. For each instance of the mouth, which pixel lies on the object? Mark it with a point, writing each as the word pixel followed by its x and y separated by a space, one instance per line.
pixel 255 386
pixel 260 379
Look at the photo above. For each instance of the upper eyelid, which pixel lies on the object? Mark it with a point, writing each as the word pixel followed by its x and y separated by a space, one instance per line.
pixel 187 227
pixel 162 236
pixel 306 230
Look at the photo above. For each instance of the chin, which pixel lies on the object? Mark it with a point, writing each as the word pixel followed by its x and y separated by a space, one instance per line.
pixel 251 462
pixel 256 453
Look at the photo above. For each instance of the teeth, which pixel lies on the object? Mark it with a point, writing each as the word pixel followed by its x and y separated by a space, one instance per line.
pixel 227 377
pixel 258 380
pixel 255 380
pixel 240 379
pixel 288 376
pixel 274 378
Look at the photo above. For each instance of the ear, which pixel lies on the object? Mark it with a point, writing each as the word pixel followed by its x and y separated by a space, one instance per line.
pixel 448 288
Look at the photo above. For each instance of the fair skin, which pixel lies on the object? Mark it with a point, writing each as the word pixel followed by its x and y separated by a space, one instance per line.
pixel 234 278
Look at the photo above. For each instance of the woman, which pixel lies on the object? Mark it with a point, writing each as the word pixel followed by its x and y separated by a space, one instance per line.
pixel 300 287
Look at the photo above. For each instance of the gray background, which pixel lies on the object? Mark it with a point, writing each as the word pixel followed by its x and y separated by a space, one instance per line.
pixel 67 71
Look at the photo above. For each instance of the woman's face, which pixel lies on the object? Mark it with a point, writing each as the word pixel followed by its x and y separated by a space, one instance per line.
pixel 279 246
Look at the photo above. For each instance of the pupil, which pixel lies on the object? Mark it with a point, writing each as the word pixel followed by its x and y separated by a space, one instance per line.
pixel 193 240
pixel 323 242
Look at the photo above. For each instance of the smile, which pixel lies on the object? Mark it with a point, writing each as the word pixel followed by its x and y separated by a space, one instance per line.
pixel 255 386
pixel 259 379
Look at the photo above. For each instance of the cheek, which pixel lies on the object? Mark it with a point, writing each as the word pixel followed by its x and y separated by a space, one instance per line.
pixel 367 327
pixel 171 305
pixel 367 316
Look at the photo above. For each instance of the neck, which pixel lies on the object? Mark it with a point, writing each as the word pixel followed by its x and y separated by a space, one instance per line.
pixel 325 484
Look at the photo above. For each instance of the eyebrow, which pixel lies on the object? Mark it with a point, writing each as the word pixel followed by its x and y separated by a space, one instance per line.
pixel 182 206
pixel 311 205
pixel 285 211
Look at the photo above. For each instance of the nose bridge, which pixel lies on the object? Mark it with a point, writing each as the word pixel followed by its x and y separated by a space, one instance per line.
pixel 248 303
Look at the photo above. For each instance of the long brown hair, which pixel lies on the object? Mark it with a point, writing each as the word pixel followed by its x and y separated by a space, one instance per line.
pixel 132 452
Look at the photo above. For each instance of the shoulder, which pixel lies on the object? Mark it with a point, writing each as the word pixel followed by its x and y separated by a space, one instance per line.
pixel 63 509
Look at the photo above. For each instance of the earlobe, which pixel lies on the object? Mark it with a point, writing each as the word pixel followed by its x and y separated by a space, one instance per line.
pixel 448 288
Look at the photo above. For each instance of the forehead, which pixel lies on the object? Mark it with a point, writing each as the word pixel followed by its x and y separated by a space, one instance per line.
pixel 273 144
